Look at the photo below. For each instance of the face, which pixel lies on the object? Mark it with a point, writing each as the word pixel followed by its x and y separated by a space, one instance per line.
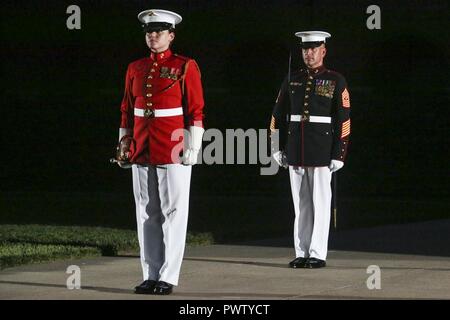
pixel 159 41
pixel 313 57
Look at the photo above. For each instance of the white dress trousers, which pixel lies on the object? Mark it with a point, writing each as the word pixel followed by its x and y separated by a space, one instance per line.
pixel 161 194
pixel 311 194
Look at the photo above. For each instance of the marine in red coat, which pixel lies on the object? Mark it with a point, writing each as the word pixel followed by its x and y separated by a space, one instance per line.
pixel 161 108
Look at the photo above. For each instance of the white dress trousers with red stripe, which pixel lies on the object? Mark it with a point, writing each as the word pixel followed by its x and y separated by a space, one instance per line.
pixel 161 194
pixel 311 194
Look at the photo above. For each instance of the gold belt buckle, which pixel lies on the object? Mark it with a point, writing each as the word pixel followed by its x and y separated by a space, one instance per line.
pixel 149 113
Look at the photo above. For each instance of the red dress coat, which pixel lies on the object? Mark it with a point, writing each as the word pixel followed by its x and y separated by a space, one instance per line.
pixel 161 81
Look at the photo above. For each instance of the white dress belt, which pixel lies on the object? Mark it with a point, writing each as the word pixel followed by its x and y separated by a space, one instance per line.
pixel 316 119
pixel 156 113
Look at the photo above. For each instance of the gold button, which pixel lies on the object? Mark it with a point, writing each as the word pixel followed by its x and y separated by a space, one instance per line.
pixel 306 97
pixel 149 104
pixel 162 55
pixel 306 103
pixel 306 111
pixel 307 89
pixel 309 82
pixel 310 77
pixel 152 70
pixel 150 77
pixel 292 91
pixel 149 95
pixel 155 64
pixel 148 85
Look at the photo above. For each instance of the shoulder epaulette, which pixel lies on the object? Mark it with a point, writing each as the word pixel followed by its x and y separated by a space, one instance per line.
pixel 334 72
pixel 181 57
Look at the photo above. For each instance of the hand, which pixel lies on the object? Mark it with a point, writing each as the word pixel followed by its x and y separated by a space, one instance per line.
pixel 194 144
pixel 124 132
pixel 190 157
pixel 335 165
pixel 124 165
pixel 124 148
pixel 280 158
pixel 299 170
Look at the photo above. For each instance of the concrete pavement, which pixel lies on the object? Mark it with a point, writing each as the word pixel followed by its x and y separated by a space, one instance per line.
pixel 255 271
pixel 240 272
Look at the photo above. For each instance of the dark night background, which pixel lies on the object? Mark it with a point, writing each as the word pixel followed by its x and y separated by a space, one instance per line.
pixel 61 92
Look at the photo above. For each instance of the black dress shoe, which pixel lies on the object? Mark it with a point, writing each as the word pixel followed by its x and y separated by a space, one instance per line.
pixel 146 287
pixel 163 288
pixel 313 263
pixel 298 262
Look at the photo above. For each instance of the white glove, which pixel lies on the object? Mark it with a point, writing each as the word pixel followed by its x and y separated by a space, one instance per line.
pixel 124 132
pixel 335 165
pixel 280 158
pixel 194 144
